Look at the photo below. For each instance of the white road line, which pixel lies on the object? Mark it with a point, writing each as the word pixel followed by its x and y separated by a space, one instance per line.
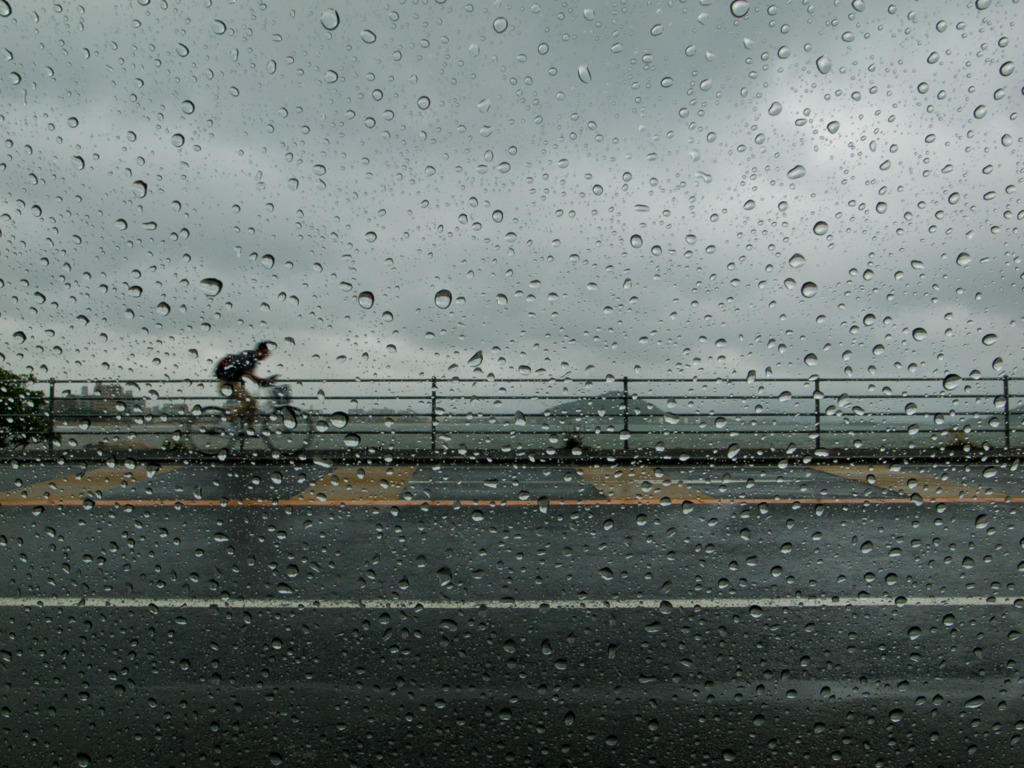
pixel 710 604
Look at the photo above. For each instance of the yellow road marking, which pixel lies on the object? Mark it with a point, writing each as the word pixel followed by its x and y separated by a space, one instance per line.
pixel 74 488
pixel 461 503
pixel 638 483
pixel 349 484
pixel 909 483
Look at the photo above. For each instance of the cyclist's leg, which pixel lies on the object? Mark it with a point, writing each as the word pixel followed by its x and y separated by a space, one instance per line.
pixel 247 409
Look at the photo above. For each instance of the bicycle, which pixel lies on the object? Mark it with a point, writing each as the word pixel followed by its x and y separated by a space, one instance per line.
pixel 282 427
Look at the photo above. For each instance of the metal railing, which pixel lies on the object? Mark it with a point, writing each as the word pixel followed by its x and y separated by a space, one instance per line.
pixel 543 417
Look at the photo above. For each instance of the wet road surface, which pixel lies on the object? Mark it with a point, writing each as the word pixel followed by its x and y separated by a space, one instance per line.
pixel 322 615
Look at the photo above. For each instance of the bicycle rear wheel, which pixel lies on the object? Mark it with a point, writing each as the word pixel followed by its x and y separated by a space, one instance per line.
pixel 210 432
pixel 287 430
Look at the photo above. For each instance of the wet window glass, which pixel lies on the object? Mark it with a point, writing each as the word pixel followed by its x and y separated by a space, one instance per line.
pixel 450 382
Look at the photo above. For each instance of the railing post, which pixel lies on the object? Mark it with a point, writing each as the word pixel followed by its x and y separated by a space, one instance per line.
pixel 433 413
pixel 625 409
pixel 51 432
pixel 1006 410
pixel 817 414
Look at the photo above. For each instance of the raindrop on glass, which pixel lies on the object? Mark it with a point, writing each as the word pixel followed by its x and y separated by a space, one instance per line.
pixel 636 241
pixel 211 286
pixel 808 289
pixel 443 299
pixel 500 24
pixel 367 36
pixel 330 20
pixel 796 172
pixel 820 228
pixel 824 64
pixel 584 73
pixel 739 8
pixel 366 299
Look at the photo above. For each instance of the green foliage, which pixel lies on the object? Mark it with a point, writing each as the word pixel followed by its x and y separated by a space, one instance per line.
pixel 23 416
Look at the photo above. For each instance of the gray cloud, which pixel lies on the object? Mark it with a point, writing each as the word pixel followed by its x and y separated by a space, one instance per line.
pixel 605 192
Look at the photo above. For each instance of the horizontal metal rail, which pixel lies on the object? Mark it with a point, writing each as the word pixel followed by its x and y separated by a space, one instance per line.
pixel 546 415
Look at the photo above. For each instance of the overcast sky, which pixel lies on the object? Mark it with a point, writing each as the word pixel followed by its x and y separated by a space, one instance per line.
pixel 387 189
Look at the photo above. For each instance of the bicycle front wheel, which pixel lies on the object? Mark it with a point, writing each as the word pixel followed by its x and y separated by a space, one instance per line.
pixel 287 430
pixel 210 432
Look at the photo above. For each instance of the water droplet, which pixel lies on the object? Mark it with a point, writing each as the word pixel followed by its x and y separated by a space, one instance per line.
pixel 139 188
pixel 267 261
pixel 963 259
pixel 982 5
pixel 476 359
pixel 500 24
pixel 820 228
pixel 423 102
pixel 163 308
pixel 1006 69
pixel 739 8
pixel 980 111
pixel 443 299
pixel 366 299
pixel 5 8
pixel 636 241
pixel 330 20
pixel 584 73
pixel 178 140
pixel 666 82
pixel 796 172
pixel 367 36
pixel 808 289
pixel 811 360
pixel 797 260
pixel 352 441
pixel 775 109
pixel 657 29
pixel 989 339
pixel 919 334
pixel 79 162
pixel 497 216
pixel 219 27
pixel 977 701
pixel 951 381
pixel 371 237
pixel 211 286
pixel 339 420
pixel 188 107
pixel 824 64
pixel 833 127
pixel 784 52
pixel 182 50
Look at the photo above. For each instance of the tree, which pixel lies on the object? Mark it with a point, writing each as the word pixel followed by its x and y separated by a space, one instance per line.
pixel 23 417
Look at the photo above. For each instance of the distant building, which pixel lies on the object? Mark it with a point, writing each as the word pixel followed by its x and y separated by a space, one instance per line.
pixel 107 400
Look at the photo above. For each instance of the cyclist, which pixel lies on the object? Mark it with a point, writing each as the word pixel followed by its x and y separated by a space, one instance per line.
pixel 231 373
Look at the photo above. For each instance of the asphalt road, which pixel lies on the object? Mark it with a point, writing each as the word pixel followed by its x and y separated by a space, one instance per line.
pixel 318 615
